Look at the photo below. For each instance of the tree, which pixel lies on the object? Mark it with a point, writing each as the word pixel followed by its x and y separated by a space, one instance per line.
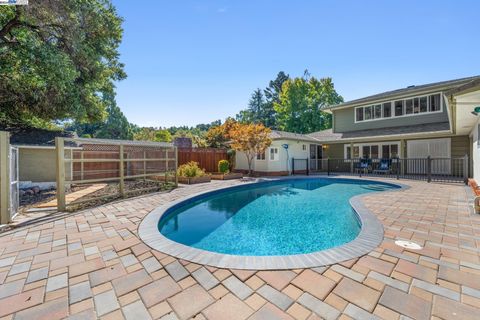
pixel 261 105
pixel 116 126
pixel 58 60
pixel 272 96
pixel 301 101
pixel 219 136
pixel 152 134
pixel 251 139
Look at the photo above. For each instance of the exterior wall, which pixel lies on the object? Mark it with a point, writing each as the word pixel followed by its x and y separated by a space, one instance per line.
pixel 40 164
pixel 344 120
pixel 295 150
pixel 37 165
pixel 475 147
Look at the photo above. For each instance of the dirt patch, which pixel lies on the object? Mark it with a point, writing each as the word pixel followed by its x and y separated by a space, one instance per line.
pixel 28 201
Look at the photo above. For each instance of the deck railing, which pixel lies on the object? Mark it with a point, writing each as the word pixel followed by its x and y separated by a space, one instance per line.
pixel 427 169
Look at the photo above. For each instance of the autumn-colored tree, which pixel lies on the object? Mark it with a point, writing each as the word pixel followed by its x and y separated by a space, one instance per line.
pixel 251 139
pixel 218 136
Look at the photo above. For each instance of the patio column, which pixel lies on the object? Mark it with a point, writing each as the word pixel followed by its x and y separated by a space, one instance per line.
pixel 402 156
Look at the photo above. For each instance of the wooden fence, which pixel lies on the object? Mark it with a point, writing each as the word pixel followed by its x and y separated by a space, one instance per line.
pixel 207 158
pixel 112 161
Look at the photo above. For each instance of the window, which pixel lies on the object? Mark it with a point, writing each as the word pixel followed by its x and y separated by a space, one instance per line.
pixel 378 111
pixel 359 114
pixel 416 105
pixel 398 108
pixel 368 113
pixel 435 103
pixel 304 147
pixel 261 156
pixel 378 150
pixel 409 106
pixel 366 151
pixel 423 104
pixel 389 151
pixel 273 154
pixel 387 110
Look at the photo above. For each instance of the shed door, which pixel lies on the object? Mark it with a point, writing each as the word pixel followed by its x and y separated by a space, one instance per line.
pixel 437 149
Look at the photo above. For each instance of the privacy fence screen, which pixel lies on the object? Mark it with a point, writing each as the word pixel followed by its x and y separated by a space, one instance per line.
pixel 111 168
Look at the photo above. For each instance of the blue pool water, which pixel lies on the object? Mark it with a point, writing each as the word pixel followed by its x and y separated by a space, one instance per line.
pixel 270 218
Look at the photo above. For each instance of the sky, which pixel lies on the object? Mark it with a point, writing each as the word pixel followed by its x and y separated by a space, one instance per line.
pixel 191 62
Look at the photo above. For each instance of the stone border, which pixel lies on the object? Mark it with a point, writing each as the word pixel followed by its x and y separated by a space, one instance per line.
pixel 370 236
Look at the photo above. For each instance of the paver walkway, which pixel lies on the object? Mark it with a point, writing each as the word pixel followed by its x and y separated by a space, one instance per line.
pixel 92 265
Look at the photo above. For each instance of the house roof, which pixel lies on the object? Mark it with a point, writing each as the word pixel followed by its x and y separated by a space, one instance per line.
pixel 410 90
pixel 329 136
pixel 24 136
pixel 276 135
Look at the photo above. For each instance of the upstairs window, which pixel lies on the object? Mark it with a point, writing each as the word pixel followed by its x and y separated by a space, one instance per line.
pixel 435 103
pixel 387 110
pixel 399 108
pixel 359 114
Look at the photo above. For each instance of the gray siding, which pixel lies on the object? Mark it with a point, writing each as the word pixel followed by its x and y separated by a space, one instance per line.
pixel 344 120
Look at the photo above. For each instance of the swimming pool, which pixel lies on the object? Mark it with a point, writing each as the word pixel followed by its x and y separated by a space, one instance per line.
pixel 259 221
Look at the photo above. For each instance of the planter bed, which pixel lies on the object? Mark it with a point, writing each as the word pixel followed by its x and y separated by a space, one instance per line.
pixel 228 176
pixel 193 180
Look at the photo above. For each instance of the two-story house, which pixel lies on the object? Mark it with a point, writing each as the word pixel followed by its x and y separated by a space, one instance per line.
pixel 436 120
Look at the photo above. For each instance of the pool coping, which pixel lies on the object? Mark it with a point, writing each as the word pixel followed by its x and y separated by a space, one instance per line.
pixel 370 236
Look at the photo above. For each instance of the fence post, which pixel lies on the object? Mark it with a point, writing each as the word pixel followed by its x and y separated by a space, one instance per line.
pixel 122 173
pixel 4 177
pixel 398 168
pixel 465 169
pixel 328 166
pixel 176 166
pixel 308 168
pixel 293 166
pixel 60 148
pixel 429 169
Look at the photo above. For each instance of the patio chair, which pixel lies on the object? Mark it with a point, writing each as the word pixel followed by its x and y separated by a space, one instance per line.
pixel 362 166
pixel 384 167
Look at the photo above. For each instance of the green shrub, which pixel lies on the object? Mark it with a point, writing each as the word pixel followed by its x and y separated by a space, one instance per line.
pixel 190 170
pixel 223 166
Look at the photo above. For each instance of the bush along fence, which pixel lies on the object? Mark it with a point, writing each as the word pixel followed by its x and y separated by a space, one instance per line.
pixel 112 168
pixel 427 169
pixel 207 158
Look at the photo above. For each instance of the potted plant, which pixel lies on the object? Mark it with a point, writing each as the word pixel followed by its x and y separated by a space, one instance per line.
pixel 224 172
pixel 190 173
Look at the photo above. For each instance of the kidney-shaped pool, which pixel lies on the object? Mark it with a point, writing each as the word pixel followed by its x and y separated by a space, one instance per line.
pixel 287 217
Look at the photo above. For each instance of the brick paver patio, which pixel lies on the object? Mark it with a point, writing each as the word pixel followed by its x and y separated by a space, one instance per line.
pixel 91 264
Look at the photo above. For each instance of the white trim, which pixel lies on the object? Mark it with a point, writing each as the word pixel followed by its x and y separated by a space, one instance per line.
pixel 42 147
pixel 373 143
pixel 392 111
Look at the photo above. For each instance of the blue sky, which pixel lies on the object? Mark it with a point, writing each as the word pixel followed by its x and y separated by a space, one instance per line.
pixel 191 62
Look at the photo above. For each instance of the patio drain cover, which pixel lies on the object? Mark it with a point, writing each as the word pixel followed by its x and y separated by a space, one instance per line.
pixel 408 245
